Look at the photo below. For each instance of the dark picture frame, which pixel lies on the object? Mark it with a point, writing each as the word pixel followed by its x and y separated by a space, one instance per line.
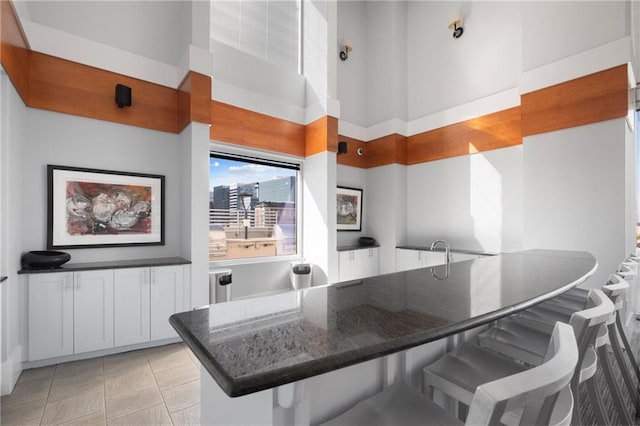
pixel 91 208
pixel 349 208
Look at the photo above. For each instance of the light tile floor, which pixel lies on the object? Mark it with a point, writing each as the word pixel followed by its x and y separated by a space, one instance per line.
pixel 156 386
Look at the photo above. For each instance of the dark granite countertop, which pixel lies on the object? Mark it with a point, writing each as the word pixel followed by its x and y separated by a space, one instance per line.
pixel 357 247
pixel 114 264
pixel 255 344
pixel 453 250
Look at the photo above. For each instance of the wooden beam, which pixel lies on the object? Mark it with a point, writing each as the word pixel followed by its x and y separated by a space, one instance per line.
pixel 240 126
pixel 71 88
pixel 492 131
pixel 589 99
pixel 14 49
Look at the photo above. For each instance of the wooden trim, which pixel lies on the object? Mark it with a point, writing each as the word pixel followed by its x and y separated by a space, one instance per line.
pixel 250 129
pixel 589 99
pixel 321 136
pixel 71 88
pixel 492 131
pixel 390 149
pixel 194 100
pixel 14 49
pixel 351 158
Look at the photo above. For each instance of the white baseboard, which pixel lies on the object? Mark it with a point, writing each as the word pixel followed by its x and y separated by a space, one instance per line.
pixel 95 354
pixel 11 370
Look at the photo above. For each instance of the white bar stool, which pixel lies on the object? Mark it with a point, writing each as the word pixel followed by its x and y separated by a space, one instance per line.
pixel 535 391
pixel 529 345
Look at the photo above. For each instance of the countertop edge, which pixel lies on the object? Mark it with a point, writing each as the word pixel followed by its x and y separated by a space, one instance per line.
pixel 113 264
pixel 357 247
pixel 453 250
pixel 278 377
pixel 3 278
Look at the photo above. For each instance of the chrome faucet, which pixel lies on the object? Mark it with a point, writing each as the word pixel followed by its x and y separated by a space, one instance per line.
pixel 446 249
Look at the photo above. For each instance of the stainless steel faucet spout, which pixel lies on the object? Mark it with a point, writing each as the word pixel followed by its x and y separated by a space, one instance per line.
pixel 446 249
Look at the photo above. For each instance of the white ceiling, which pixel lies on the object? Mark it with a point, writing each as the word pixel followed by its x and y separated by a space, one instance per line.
pixel 159 30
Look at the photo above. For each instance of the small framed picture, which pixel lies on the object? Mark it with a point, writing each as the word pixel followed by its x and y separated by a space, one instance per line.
pixel 349 209
pixel 102 208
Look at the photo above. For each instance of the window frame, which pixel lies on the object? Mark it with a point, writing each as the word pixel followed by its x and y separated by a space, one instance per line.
pixel 266 157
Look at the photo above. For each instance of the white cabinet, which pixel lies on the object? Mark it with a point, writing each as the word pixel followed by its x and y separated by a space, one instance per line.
pixel 131 306
pixel 92 310
pixel 75 312
pixel 50 315
pixel 407 259
pixel 167 298
pixel 357 264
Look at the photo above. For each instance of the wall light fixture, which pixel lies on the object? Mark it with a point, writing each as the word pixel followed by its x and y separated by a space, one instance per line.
pixel 345 48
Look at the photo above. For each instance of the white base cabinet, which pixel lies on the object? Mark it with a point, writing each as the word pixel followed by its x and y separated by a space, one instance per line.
pixel 407 259
pixel 50 315
pixel 84 311
pixel 132 306
pixel 168 296
pixel 358 263
pixel 92 311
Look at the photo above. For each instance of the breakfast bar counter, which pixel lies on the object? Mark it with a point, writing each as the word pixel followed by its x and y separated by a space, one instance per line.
pixel 285 358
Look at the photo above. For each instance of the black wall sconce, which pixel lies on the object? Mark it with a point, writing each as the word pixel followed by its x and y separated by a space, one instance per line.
pixel 123 95
pixel 342 147
pixel 456 26
pixel 345 48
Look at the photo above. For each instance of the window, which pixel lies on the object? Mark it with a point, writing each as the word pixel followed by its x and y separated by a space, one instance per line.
pixel 252 207
pixel 267 29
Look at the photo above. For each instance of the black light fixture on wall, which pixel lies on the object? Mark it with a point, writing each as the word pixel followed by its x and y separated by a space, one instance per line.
pixel 123 95
pixel 342 147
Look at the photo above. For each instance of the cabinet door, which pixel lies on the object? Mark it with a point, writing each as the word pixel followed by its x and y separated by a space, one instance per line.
pixel 407 259
pixel 131 306
pixel 346 266
pixel 167 298
pixel 50 315
pixel 433 258
pixel 459 257
pixel 366 262
pixel 93 310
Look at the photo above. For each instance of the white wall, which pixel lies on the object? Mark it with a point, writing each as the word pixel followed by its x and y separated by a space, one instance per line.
pixel 352 73
pixel 160 30
pixel 555 30
pixel 62 139
pixel 386 204
pixel 15 181
pixel 473 202
pixel 386 61
pixel 574 185
pixel 444 72
pixel 319 216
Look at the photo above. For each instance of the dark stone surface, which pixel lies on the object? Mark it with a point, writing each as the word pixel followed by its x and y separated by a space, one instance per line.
pixel 115 264
pixel 255 344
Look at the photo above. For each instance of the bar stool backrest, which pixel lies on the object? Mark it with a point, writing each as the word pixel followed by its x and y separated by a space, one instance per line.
pixel 616 288
pixel 536 390
pixel 586 323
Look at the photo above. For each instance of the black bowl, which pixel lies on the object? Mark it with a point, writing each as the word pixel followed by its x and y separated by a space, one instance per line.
pixel 45 259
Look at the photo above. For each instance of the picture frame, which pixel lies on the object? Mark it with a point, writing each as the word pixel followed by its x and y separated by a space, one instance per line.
pixel 349 208
pixel 91 208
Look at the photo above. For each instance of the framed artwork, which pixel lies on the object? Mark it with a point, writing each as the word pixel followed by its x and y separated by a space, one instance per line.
pixel 349 209
pixel 102 208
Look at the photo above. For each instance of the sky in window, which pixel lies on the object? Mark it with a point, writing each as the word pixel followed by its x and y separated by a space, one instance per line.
pixel 228 172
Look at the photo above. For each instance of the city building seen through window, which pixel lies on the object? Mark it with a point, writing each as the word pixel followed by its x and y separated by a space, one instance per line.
pixel 252 207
